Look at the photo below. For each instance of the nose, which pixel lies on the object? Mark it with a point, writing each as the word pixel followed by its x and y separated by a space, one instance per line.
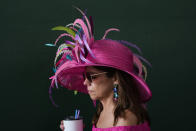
pixel 86 82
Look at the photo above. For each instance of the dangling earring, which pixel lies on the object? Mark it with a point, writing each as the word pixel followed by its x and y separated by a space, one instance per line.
pixel 115 92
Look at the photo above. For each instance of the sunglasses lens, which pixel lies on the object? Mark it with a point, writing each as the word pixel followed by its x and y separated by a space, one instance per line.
pixel 84 77
pixel 90 77
pixel 87 75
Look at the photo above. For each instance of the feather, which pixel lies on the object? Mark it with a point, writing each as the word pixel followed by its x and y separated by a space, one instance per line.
pixel 50 96
pixel 71 43
pixel 92 26
pixel 65 46
pixel 76 53
pixel 73 29
pixel 77 38
pixel 83 59
pixel 62 47
pixel 89 27
pixel 80 32
pixel 76 25
pixel 87 46
pixel 107 31
pixel 54 70
pixel 60 53
pixel 138 63
pixel 131 45
pixel 68 57
pixel 145 72
pixel 83 18
pixel 68 30
pixel 84 27
pixel 143 60
pixel 75 92
pixel 62 35
pixel 49 45
pixel 51 77
pixel 56 83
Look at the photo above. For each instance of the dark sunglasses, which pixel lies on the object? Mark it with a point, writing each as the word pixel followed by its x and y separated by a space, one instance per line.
pixel 91 77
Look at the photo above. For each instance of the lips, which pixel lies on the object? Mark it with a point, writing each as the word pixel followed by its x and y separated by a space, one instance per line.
pixel 90 91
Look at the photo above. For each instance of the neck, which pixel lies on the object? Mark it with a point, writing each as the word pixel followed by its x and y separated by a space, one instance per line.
pixel 108 103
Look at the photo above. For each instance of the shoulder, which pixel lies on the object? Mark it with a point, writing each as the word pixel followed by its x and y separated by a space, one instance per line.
pixel 129 119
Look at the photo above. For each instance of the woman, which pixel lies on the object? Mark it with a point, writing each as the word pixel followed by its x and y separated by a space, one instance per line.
pixel 109 72
pixel 126 111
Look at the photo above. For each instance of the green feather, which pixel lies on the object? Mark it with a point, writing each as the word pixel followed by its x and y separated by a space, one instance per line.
pixel 75 92
pixel 67 29
pixel 145 72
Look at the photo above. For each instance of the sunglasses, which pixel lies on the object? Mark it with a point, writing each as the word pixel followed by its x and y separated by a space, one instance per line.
pixel 91 77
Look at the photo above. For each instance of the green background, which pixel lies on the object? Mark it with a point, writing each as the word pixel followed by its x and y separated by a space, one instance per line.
pixel 163 29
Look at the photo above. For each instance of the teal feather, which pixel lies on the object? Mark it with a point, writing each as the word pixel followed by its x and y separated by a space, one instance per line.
pixel 49 45
pixel 68 57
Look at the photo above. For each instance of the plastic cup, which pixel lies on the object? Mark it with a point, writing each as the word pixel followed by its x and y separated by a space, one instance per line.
pixel 72 124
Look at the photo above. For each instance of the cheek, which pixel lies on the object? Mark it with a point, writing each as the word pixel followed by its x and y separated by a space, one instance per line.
pixel 103 88
pixel 97 89
pixel 97 93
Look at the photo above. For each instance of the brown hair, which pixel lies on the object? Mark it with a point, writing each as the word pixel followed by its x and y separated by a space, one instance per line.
pixel 129 97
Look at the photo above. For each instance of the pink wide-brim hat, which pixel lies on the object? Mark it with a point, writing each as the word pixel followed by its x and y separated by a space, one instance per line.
pixel 107 53
pixel 83 51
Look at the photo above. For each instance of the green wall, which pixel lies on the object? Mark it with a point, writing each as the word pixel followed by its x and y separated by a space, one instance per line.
pixel 163 29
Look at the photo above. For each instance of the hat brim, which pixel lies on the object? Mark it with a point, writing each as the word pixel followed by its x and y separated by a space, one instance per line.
pixel 70 77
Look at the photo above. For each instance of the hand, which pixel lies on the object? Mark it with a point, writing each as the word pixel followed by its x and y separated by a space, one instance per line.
pixel 62 126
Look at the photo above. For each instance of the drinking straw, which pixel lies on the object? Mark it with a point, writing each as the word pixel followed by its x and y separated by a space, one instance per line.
pixel 76 114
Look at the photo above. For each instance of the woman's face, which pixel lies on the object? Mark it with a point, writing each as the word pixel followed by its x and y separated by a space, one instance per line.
pixel 101 86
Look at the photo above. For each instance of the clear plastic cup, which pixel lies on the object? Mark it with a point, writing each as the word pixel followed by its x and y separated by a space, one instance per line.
pixel 72 124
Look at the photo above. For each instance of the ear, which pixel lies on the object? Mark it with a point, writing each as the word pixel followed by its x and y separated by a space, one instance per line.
pixel 115 78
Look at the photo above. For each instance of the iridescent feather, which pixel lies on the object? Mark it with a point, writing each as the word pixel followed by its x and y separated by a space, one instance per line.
pixel 61 50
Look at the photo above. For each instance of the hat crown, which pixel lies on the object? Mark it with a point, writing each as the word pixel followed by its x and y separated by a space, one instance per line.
pixel 112 53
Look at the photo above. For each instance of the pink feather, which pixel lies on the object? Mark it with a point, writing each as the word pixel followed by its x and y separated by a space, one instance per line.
pixel 76 53
pixel 86 20
pixel 138 64
pixel 62 35
pixel 84 27
pixel 107 31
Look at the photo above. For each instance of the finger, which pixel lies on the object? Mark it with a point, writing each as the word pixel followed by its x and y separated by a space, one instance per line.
pixel 62 127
